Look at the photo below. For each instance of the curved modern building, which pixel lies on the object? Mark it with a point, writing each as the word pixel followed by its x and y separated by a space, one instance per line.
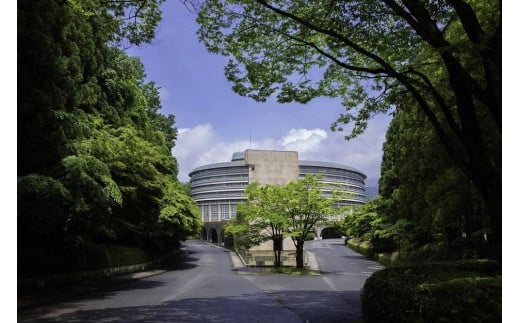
pixel 218 188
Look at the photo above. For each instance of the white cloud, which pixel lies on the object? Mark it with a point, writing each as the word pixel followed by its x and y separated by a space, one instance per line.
pixel 164 94
pixel 193 140
pixel 303 140
pixel 202 145
pixel 363 153
pixel 191 143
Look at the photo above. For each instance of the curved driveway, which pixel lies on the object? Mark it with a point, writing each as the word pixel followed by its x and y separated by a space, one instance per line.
pixel 206 289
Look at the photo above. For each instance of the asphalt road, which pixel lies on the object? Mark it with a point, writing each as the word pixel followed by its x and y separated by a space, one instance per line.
pixel 206 289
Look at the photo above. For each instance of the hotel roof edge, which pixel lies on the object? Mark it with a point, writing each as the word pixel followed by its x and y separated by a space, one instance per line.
pixel 329 165
pixel 241 163
pixel 218 165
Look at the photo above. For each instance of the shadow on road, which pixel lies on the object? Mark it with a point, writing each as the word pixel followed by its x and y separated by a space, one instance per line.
pixel 183 262
pixel 354 256
pixel 68 291
pixel 283 307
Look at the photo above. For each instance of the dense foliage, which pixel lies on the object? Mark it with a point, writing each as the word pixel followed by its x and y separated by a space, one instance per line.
pixel 442 57
pixel 94 152
pixel 261 218
pixel 421 185
pixel 427 208
pixel 273 212
pixel 438 292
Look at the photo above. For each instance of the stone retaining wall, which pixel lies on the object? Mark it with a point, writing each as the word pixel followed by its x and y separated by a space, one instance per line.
pixel 88 275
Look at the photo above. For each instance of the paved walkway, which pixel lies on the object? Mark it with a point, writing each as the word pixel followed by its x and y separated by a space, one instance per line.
pixel 206 287
pixel 38 298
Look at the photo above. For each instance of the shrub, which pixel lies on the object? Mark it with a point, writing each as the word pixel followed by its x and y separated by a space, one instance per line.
pixel 439 292
pixel 388 258
pixel 383 245
pixel 88 256
pixel 106 256
pixel 363 247
pixel 310 236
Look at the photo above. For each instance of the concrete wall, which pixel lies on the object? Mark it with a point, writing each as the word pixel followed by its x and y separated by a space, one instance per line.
pixel 272 167
pixel 68 279
pixel 268 245
pixel 275 168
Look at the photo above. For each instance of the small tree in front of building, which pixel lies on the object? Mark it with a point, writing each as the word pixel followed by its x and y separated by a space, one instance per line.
pixel 273 212
pixel 260 219
pixel 305 206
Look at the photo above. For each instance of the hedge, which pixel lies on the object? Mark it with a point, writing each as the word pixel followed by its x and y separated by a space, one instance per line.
pixel 361 246
pixel 88 257
pixel 365 248
pixel 106 256
pixel 467 291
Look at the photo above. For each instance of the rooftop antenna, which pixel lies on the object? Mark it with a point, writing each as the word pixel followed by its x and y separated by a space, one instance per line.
pixel 249 139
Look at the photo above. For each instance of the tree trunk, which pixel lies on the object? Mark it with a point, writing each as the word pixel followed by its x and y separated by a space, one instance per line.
pixel 277 258
pixel 484 170
pixel 277 250
pixel 491 191
pixel 299 254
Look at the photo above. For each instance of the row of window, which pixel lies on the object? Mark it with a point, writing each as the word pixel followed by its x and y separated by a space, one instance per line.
pixel 218 212
pixel 350 189
pixel 216 179
pixel 330 171
pixel 242 172
pixel 339 179
pixel 220 186
pixel 220 171
pixel 217 195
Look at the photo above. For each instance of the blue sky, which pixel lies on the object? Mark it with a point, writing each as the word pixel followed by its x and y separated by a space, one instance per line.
pixel 214 122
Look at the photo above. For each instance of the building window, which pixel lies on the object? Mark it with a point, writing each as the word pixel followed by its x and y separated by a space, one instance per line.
pixel 205 212
pixel 233 210
pixel 224 210
pixel 214 212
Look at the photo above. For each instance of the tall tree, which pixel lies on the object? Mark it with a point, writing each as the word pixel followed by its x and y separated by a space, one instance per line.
pixel 445 55
pixel 61 51
pixel 94 150
pixel 420 184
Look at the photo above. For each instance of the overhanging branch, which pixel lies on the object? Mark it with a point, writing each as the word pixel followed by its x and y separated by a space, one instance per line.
pixel 403 79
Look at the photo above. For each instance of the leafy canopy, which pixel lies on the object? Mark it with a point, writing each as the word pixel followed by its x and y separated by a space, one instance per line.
pixel 293 210
pixel 94 149
pixel 368 53
pixel 444 57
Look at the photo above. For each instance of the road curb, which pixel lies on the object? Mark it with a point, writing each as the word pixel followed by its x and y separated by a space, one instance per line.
pixel 236 260
pixel 312 263
pixel 36 301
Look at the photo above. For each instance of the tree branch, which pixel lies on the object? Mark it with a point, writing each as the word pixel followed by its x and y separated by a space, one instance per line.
pixel 440 100
pixel 468 20
pixel 385 65
pixel 337 61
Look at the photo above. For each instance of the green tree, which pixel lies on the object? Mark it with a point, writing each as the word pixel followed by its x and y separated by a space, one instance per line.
pixel 179 215
pixel 61 53
pixel 427 209
pixel 360 223
pixel 95 163
pixel 261 218
pixel 420 184
pixel 293 210
pixel 443 55
pixel 305 206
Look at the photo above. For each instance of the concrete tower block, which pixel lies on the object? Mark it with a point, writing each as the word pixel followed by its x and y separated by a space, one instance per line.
pixel 272 167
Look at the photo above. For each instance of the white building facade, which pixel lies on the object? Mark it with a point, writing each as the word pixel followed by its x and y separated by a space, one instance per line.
pixel 218 188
